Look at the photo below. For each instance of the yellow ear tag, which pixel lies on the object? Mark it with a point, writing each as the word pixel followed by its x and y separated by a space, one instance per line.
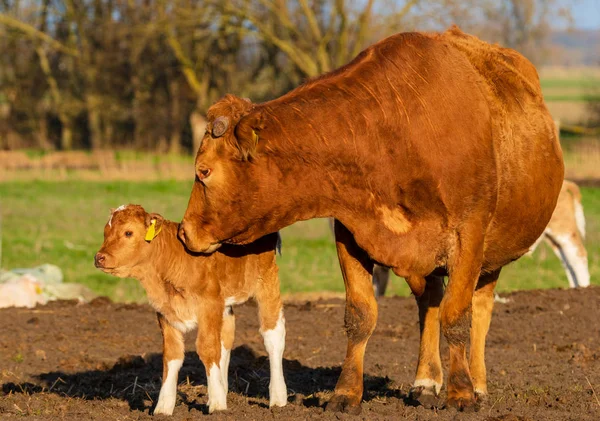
pixel 254 137
pixel 151 233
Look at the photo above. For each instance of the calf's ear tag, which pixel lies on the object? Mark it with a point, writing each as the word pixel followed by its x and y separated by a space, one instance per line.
pixel 151 233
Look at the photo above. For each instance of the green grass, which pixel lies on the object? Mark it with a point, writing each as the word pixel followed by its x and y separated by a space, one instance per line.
pixel 586 83
pixel 572 97
pixel 62 223
pixel 571 90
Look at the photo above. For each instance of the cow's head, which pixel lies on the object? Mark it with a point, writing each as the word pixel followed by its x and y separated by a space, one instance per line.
pixel 127 240
pixel 234 182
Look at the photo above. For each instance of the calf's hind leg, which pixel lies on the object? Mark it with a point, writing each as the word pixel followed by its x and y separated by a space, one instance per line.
pixel 272 329
pixel 208 346
pixel 360 320
pixel 173 353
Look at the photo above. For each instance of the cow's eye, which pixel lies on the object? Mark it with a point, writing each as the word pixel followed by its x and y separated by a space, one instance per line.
pixel 203 174
pixel 128 233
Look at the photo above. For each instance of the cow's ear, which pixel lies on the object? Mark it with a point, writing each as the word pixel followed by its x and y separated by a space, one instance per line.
pixel 154 223
pixel 247 134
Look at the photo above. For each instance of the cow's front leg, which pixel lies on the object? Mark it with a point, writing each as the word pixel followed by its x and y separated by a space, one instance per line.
pixel 208 346
pixel 429 378
pixel 173 353
pixel 360 320
pixel 455 315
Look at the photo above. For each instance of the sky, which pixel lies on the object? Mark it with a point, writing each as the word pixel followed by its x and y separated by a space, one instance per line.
pixel 586 14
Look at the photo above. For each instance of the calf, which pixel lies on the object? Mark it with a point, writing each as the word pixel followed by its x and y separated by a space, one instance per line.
pixel 190 290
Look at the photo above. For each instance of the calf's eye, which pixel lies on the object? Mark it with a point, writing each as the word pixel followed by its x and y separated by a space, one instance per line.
pixel 128 233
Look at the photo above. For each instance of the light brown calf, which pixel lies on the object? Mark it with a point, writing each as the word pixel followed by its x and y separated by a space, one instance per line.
pixel 193 290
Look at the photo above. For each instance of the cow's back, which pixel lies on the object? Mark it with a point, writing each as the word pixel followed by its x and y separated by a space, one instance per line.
pixel 528 154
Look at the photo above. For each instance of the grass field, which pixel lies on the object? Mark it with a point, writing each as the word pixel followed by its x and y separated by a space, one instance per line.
pixel 568 92
pixel 62 223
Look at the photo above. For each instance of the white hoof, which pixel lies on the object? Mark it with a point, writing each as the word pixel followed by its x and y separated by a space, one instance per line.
pixel 277 395
pixel 217 395
pixel 165 405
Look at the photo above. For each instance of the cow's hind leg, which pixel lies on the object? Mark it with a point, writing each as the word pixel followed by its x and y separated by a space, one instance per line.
pixel 360 320
pixel 173 353
pixel 483 304
pixel 429 378
pixel 455 312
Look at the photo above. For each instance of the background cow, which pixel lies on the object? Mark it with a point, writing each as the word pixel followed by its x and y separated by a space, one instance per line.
pixel 436 155
pixel 190 291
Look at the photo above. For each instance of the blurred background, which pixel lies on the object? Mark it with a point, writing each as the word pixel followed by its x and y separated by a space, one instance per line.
pixel 102 102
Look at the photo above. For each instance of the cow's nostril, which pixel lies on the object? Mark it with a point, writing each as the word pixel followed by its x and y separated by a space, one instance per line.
pixel 99 258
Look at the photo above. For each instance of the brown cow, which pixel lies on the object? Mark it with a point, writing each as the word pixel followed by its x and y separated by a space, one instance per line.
pixel 436 155
pixel 190 291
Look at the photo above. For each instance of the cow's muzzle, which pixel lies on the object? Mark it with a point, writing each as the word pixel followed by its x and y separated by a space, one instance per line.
pixel 194 242
pixel 99 260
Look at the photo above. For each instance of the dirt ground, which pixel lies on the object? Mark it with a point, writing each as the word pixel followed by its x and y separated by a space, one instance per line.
pixel 102 361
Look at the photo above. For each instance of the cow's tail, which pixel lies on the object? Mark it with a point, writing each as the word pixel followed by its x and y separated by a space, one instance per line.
pixel 579 216
pixel 278 244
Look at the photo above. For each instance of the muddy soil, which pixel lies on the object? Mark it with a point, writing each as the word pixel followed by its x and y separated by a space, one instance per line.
pixel 102 361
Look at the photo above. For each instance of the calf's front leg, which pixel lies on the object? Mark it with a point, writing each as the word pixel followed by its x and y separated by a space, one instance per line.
pixel 208 346
pixel 173 353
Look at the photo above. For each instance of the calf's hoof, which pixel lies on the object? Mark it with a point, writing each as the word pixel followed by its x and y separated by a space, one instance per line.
pixel 425 396
pixel 344 403
pixel 165 405
pixel 277 394
pixel 162 411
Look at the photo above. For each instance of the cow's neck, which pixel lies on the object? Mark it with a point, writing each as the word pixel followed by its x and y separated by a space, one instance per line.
pixel 322 180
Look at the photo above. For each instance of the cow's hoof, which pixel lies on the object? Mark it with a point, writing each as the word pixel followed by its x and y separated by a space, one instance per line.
pixel 344 403
pixel 481 398
pixel 424 396
pixel 463 404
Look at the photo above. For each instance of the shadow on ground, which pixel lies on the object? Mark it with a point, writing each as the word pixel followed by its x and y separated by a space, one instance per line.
pixel 137 380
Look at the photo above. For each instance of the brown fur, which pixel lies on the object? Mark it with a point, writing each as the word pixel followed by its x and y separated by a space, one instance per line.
pixel 188 287
pixel 435 151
